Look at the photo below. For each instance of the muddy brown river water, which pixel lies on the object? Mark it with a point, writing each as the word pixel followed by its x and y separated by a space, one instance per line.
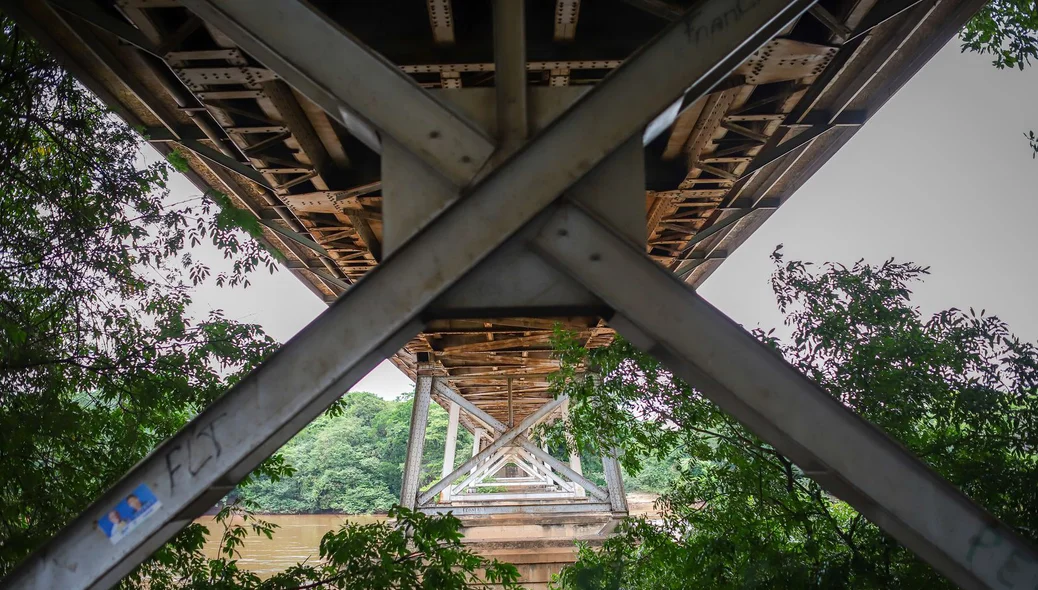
pixel 297 538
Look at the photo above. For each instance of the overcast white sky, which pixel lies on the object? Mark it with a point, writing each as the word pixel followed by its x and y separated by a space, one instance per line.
pixel 941 176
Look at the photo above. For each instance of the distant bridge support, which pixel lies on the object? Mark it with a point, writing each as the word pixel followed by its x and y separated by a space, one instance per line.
pixel 508 473
pixel 516 501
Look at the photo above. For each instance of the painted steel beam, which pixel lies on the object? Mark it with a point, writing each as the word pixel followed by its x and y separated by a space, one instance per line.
pixel 379 314
pixel 416 441
pixel 494 461
pixel 441 21
pixel 513 496
pixel 847 455
pixel 92 13
pixel 359 88
pixel 450 446
pixel 320 272
pixel 219 158
pixel 86 34
pixel 524 466
pixel 566 14
pixel 880 13
pixel 781 150
pixel 883 11
pixel 302 240
pixel 444 390
pixel 544 472
pixel 510 73
pixel 614 481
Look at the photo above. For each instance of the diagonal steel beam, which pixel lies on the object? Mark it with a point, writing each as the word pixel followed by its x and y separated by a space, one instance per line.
pixel 222 159
pixel 769 156
pixel 545 473
pixel 566 470
pixel 480 472
pixel 92 13
pixel 359 87
pixel 847 455
pixel 446 391
pixel 380 313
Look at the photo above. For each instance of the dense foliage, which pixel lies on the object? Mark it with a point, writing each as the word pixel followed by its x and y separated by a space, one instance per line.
pixel 957 388
pixel 1005 29
pixel 352 460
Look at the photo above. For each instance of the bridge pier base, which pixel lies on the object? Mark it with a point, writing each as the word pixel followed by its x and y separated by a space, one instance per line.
pixel 538 545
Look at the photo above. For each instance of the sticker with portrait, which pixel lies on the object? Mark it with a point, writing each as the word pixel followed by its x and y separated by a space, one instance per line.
pixel 128 513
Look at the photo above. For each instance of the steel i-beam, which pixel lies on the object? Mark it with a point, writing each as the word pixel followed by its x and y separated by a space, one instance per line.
pixel 416 440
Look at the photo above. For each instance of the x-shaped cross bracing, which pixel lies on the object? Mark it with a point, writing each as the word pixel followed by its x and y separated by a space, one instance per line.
pixel 508 437
pixel 495 425
pixel 537 475
pixel 519 200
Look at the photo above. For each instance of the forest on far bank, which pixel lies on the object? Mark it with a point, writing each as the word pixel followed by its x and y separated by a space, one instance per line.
pixel 351 460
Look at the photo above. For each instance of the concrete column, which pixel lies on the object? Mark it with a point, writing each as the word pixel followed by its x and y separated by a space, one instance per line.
pixel 477 440
pixel 449 447
pixel 574 464
pixel 611 470
pixel 416 441
pixel 574 455
pixel 614 482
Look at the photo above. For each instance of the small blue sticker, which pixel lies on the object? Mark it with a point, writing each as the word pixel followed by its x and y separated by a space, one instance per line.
pixel 128 513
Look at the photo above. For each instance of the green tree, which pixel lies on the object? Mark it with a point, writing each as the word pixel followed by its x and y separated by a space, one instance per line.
pixel 351 460
pixel 1005 29
pixel 957 388
pixel 99 360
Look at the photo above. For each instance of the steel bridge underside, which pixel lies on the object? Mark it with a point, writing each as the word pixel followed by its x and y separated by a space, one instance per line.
pixel 724 165
pixel 430 164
